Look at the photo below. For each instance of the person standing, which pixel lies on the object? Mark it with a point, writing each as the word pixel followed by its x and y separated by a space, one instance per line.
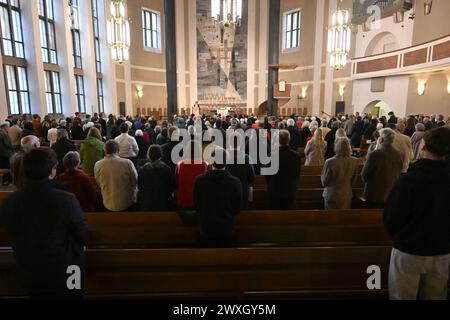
pixel 47 229
pixel 217 198
pixel 117 179
pixel 128 147
pixel 338 175
pixel 282 187
pixel 91 151
pixel 156 183
pixel 6 152
pixel 417 217
pixel 381 170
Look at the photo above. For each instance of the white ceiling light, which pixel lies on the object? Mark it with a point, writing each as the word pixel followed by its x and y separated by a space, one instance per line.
pixel 118 32
pixel 339 39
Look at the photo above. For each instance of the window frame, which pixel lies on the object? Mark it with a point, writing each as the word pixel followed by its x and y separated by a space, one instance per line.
pixel 52 91
pixel 18 89
pixel 49 24
pixel 292 30
pixel 158 31
pixel 10 9
pixel 80 94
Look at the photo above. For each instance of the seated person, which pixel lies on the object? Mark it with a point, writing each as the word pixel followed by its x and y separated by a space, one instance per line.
pixel 47 229
pixel 156 183
pixel 217 199
pixel 78 182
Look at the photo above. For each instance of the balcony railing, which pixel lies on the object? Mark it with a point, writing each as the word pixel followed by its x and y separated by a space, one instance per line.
pixel 361 11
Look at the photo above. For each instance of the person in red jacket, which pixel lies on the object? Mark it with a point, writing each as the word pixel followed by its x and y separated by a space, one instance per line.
pixel 186 172
pixel 78 182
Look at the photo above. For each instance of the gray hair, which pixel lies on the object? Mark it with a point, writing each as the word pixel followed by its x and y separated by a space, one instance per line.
pixel 111 147
pixel 62 134
pixel 71 160
pixel 342 147
pixel 388 136
pixel 420 127
pixel 29 143
pixel 290 123
pixel 340 133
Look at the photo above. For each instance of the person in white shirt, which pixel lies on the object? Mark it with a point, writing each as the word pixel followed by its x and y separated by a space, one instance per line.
pixel 129 148
pixel 52 134
pixel 117 179
pixel 403 144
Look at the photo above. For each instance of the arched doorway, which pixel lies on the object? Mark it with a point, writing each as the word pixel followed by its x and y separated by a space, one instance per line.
pixel 378 108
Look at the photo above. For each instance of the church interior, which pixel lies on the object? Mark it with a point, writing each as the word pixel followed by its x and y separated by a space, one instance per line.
pixel 355 94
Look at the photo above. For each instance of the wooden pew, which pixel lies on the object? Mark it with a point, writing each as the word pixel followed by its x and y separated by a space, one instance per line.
pixel 239 272
pixel 269 228
pixel 306 199
pixel 306 181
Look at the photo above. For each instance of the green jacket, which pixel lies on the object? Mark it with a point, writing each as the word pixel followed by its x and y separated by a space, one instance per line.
pixel 91 151
pixel 6 147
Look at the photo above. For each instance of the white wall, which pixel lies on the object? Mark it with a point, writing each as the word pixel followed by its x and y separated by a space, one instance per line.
pixel 394 95
pixel 402 32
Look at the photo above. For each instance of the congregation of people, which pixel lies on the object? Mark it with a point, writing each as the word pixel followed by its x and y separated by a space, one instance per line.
pixel 124 164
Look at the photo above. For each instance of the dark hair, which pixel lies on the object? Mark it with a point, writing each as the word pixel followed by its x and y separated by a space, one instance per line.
pixel 285 138
pixel 28 126
pixel 154 153
pixel 220 153
pixel 38 164
pixel 111 147
pixel 437 141
pixel 124 128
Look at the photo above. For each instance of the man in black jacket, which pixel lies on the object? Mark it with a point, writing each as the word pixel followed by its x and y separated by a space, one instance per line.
pixel 167 150
pixel 282 187
pixel 156 183
pixel 417 216
pixel 48 231
pixel 217 199
pixel 296 135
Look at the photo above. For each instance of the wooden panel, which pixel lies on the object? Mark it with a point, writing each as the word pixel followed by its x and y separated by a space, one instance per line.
pixel 377 64
pixel 415 57
pixel 441 51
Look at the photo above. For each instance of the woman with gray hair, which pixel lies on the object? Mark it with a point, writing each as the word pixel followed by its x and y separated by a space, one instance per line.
pixel 78 182
pixel 61 147
pixel 416 140
pixel 338 175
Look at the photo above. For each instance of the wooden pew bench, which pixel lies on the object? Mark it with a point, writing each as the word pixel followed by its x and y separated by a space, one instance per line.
pixel 306 181
pixel 241 272
pixel 269 228
pixel 306 199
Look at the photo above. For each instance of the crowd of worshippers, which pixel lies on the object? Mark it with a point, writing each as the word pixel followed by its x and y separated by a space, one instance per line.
pixel 98 163
pixel 406 171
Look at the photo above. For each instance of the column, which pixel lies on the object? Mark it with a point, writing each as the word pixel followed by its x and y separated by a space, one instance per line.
pixel 88 56
pixel 192 16
pixel 318 51
pixel 263 38
pixel 251 58
pixel 329 72
pixel 65 56
pixel 108 65
pixel 181 60
pixel 171 57
pixel 35 68
pixel 274 53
